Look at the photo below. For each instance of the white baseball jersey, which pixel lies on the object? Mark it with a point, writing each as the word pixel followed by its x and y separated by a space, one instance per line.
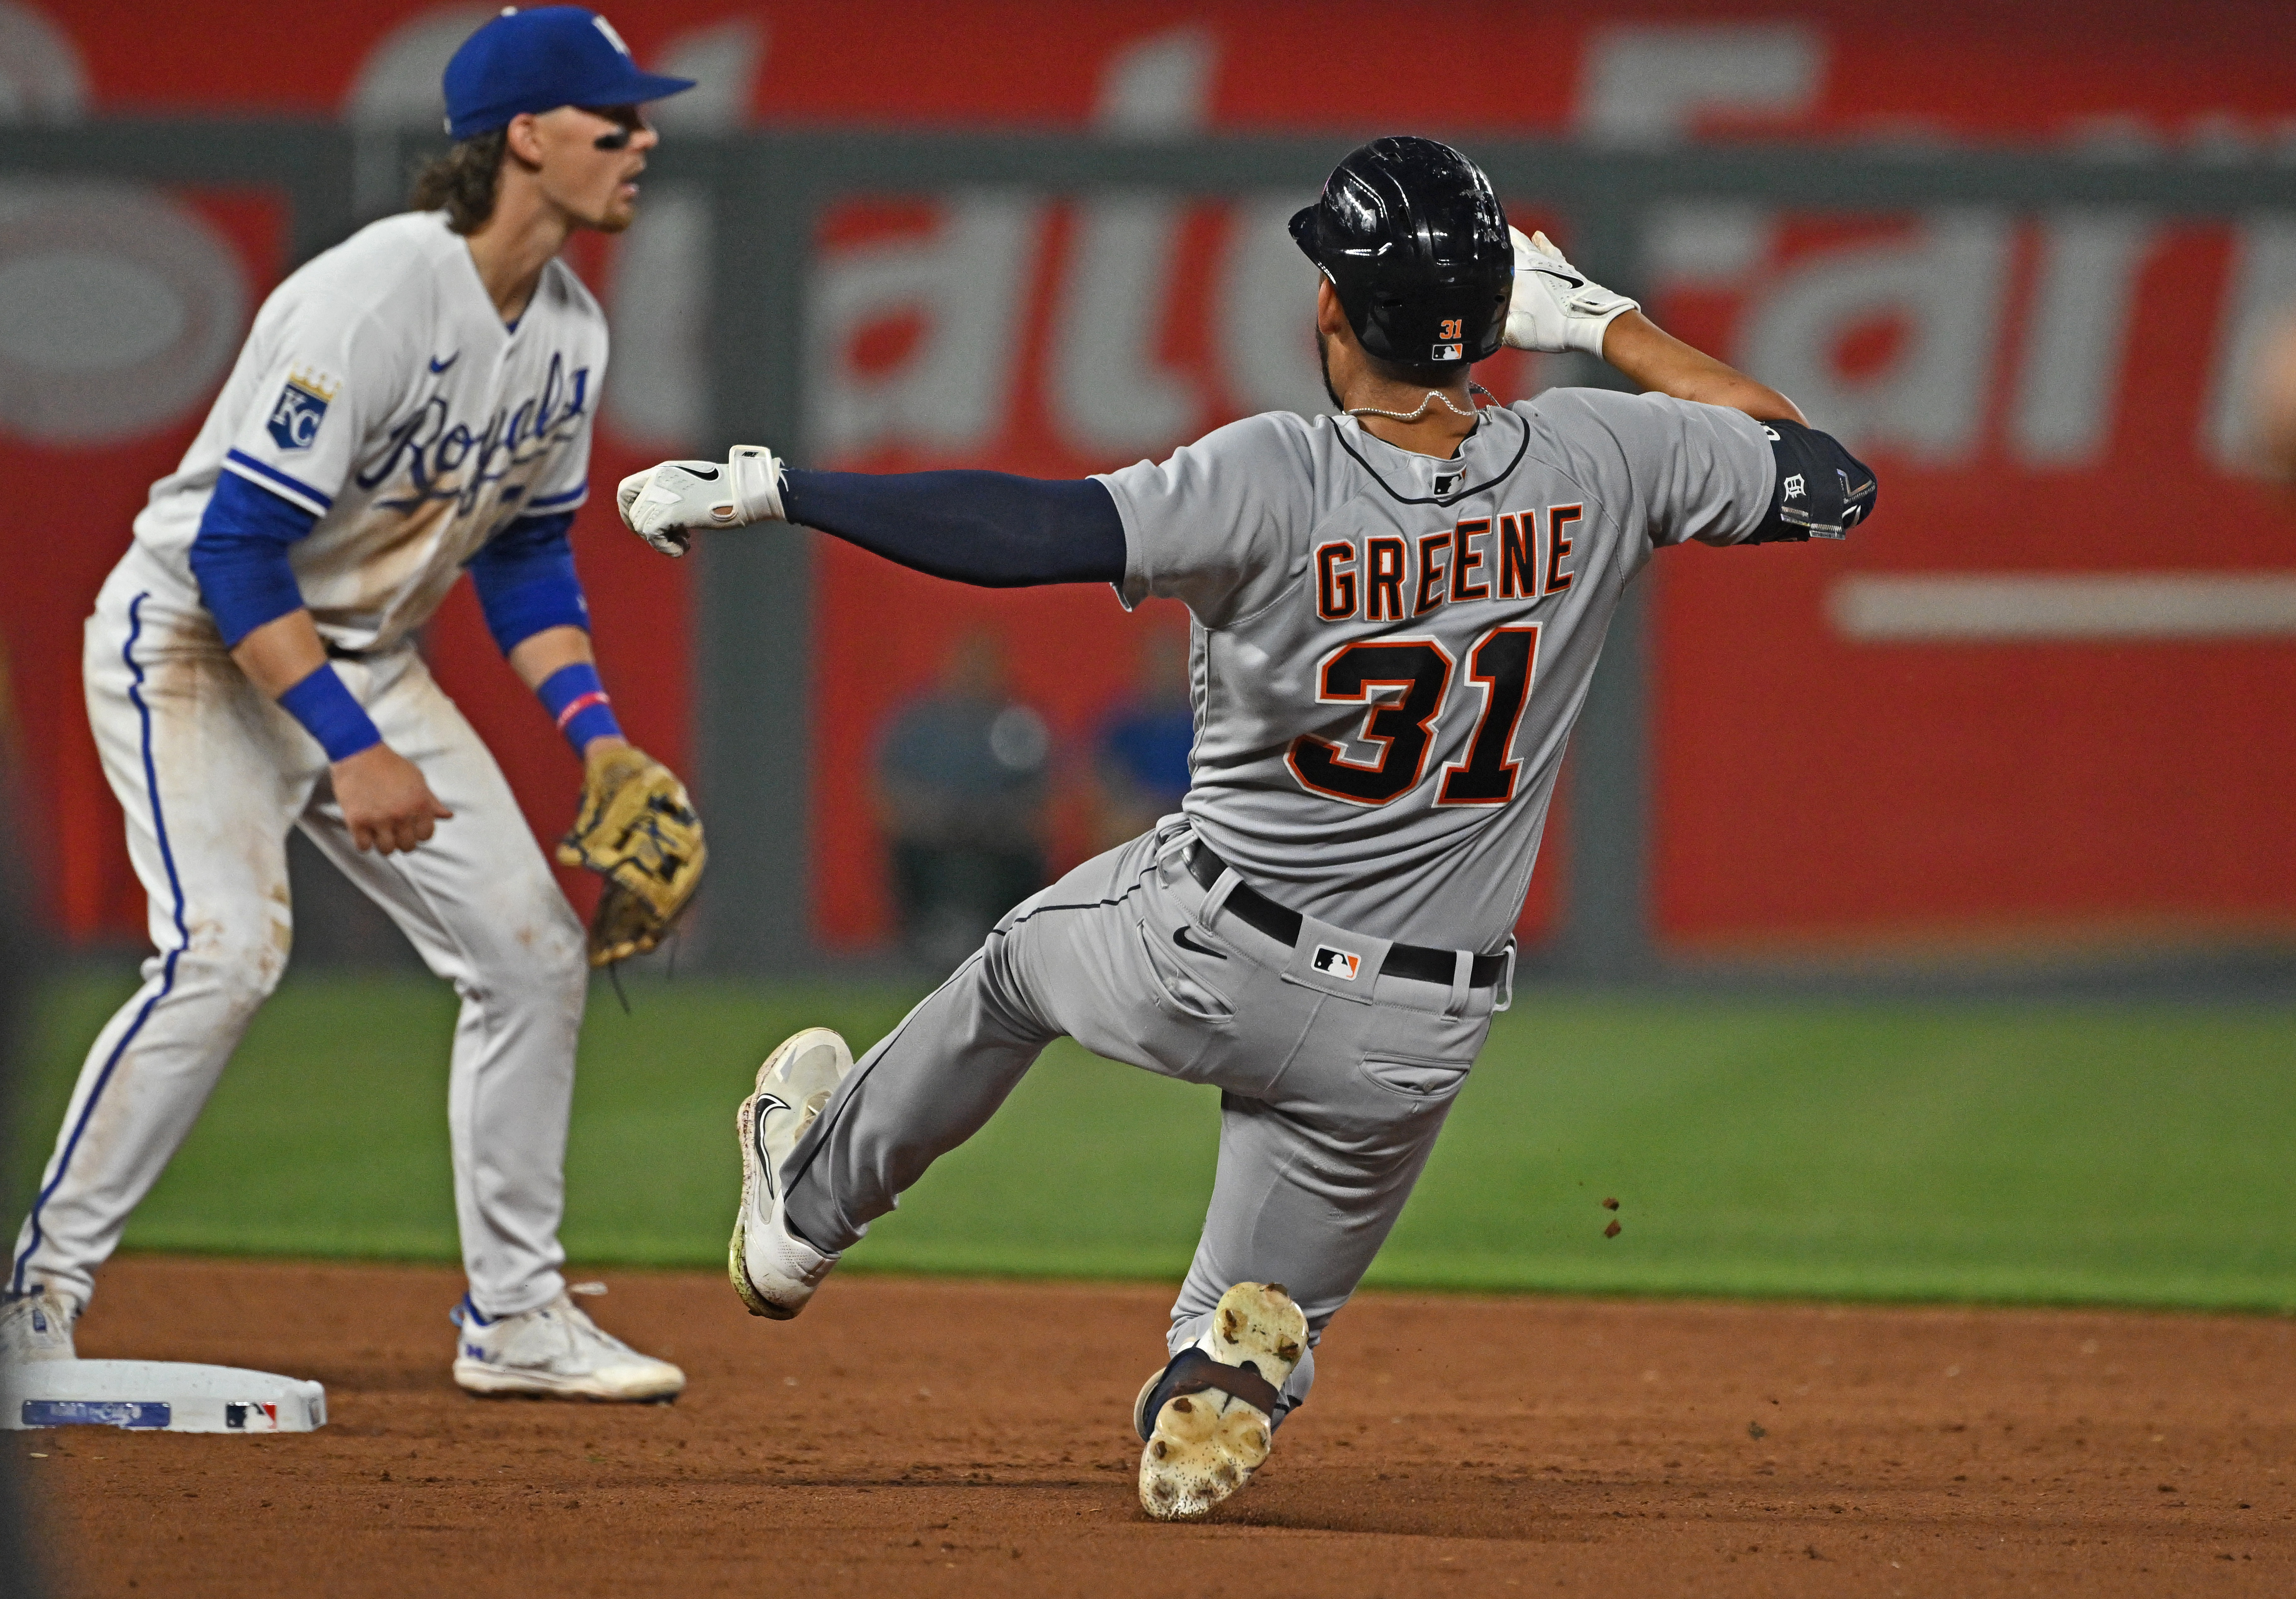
pixel 381 391
pixel 1390 649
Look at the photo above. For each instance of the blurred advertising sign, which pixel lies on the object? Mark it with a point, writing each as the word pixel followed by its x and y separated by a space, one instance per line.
pixel 1842 756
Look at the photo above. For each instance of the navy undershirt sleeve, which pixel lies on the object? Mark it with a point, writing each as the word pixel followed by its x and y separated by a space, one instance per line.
pixel 238 556
pixel 989 529
pixel 526 580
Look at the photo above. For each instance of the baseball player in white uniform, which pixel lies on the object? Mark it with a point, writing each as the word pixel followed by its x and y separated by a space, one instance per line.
pixel 417 400
pixel 1397 611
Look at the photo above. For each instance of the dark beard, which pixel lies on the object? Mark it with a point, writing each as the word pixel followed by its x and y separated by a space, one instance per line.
pixel 1323 360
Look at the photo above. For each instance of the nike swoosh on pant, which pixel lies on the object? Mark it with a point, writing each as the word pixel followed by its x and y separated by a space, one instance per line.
pixel 1180 937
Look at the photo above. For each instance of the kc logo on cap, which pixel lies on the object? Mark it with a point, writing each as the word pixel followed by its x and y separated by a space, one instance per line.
pixel 536 60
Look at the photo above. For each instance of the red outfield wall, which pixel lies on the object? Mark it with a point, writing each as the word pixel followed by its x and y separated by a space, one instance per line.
pixel 2044 395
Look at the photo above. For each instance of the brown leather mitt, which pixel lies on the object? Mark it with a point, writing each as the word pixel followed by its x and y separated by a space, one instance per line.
pixel 637 830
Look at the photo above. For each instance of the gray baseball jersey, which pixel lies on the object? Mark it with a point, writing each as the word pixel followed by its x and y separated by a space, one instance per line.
pixel 1389 653
pixel 1389 650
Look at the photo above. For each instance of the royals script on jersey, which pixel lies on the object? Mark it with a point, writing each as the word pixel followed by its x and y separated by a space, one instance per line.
pixel 381 391
pixel 1390 649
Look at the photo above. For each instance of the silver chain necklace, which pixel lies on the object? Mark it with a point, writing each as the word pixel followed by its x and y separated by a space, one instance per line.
pixel 1433 395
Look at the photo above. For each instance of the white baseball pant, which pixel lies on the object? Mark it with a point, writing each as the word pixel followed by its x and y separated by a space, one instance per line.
pixel 211 775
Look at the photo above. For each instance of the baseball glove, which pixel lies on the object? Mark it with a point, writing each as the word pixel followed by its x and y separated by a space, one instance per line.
pixel 637 830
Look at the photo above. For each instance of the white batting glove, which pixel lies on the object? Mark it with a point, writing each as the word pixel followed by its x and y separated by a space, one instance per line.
pixel 1555 307
pixel 664 504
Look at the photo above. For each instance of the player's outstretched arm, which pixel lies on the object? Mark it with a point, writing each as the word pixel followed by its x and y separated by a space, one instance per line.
pixel 1821 490
pixel 992 529
pixel 1657 362
pixel 1557 308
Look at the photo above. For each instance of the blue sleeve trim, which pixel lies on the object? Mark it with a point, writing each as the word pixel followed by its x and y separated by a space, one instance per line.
pixel 988 529
pixel 526 580
pixel 238 556
pixel 556 501
pixel 278 481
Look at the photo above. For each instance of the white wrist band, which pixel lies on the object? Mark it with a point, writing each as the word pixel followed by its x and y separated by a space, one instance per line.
pixel 756 484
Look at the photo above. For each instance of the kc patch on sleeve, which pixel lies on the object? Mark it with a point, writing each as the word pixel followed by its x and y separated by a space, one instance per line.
pixel 301 407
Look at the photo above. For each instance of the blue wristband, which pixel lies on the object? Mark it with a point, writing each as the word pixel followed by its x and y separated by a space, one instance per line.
pixel 577 702
pixel 329 714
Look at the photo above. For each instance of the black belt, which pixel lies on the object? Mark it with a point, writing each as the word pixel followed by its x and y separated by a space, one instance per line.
pixel 1253 908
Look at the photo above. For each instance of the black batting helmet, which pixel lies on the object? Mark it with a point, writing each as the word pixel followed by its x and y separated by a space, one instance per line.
pixel 1414 240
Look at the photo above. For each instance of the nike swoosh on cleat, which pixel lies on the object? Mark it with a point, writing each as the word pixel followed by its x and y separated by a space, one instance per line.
pixel 438 367
pixel 1180 937
pixel 707 477
pixel 757 1138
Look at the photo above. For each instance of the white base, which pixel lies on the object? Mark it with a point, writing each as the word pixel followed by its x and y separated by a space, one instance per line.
pixel 157 1396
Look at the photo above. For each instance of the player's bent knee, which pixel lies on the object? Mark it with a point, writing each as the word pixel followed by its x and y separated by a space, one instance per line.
pixel 240 968
pixel 543 958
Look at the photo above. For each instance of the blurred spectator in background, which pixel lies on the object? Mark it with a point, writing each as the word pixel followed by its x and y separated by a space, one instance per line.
pixel 1140 760
pixel 2275 402
pixel 961 781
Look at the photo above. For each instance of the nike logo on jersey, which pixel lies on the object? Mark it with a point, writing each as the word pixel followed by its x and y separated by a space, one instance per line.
pixel 438 367
pixel 1180 937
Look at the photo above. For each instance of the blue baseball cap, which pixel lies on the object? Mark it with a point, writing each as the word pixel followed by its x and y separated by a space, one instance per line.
pixel 539 60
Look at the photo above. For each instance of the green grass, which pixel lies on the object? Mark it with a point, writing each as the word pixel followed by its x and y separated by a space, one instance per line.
pixel 2132 1153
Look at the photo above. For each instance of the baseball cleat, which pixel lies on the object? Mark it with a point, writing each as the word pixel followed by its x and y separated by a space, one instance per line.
pixel 1209 1417
pixel 773 1269
pixel 554 1352
pixel 37 1326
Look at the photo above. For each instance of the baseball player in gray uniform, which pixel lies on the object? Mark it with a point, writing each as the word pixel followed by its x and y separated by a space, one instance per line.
pixel 1397 611
pixel 413 402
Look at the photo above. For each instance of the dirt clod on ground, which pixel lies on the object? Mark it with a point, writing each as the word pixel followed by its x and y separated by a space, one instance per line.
pixel 941 1438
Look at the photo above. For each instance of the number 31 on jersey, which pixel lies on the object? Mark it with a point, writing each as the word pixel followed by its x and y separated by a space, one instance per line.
pixel 1403 682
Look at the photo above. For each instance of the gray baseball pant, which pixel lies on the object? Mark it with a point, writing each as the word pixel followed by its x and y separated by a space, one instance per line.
pixel 1331 1089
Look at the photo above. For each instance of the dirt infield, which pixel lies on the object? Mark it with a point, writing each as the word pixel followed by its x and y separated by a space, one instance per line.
pixel 943 1437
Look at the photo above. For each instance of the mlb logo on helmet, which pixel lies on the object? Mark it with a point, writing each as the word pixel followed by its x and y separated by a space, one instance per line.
pixel 302 406
pixel 1338 963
